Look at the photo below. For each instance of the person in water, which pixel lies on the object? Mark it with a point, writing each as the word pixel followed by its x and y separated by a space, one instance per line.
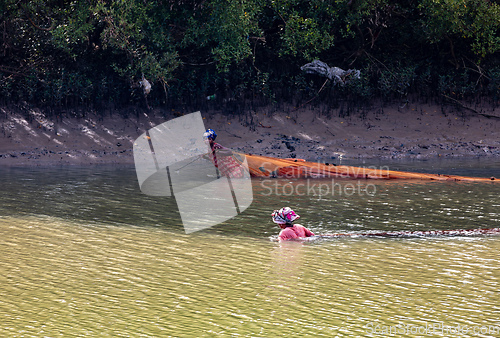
pixel 289 231
pixel 222 157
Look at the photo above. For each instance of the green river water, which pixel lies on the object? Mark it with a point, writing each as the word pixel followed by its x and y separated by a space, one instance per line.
pixel 85 254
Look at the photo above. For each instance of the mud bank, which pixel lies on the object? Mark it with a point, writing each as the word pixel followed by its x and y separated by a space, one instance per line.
pixel 31 138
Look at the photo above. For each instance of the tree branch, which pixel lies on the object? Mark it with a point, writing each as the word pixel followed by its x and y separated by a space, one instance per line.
pixel 52 25
pixel 469 108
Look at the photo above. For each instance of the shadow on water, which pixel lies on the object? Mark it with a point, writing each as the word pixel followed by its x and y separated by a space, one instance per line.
pixel 111 195
pixel 102 194
pixel 361 206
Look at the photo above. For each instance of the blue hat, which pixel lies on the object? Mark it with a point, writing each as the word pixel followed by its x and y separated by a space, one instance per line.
pixel 210 134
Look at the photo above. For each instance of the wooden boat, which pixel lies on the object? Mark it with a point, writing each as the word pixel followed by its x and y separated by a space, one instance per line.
pixel 264 166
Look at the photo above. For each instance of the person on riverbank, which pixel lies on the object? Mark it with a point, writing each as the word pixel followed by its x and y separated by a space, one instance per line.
pixel 285 217
pixel 222 157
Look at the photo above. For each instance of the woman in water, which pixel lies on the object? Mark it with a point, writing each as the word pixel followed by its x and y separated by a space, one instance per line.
pixel 289 231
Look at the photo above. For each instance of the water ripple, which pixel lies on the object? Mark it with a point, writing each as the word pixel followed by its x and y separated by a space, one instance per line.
pixel 94 259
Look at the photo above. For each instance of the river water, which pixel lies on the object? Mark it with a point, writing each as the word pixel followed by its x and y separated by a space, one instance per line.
pixel 85 253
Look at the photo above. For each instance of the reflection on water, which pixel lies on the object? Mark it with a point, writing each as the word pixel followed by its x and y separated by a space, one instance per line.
pixel 92 194
pixel 85 254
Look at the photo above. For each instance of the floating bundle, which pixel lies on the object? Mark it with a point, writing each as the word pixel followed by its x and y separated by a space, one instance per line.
pixel 264 166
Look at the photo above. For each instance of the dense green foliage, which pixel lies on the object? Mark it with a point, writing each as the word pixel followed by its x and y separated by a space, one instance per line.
pixel 93 53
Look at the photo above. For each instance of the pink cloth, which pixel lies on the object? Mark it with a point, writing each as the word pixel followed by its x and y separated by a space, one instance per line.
pixel 294 232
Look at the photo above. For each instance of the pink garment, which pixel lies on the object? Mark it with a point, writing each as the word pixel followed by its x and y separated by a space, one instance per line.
pixel 294 232
pixel 227 165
